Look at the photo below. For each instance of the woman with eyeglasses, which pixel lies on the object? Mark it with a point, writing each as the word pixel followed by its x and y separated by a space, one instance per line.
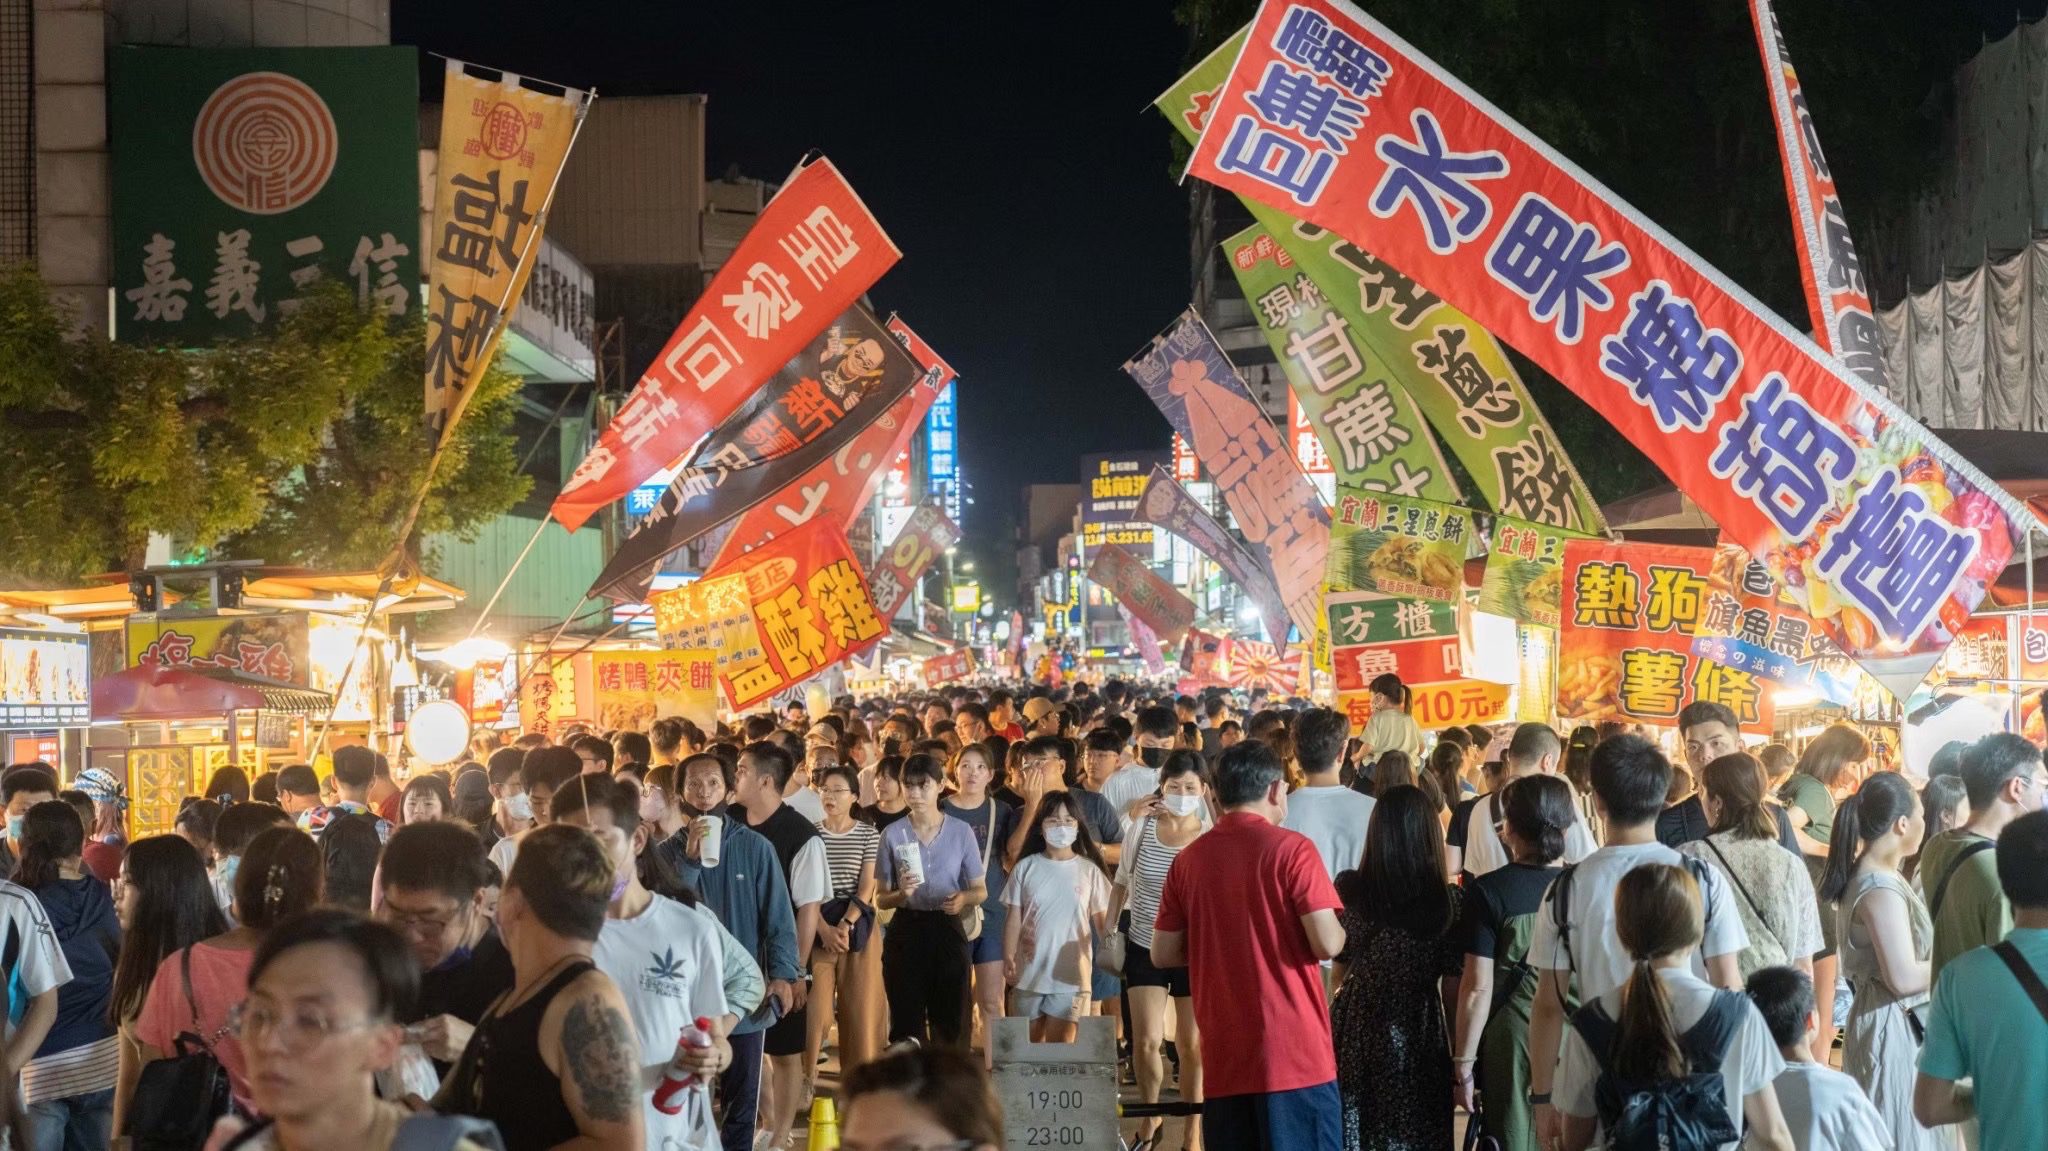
pixel 326 991
pixel 198 985
pixel 845 967
pixel 934 1099
pixel 165 904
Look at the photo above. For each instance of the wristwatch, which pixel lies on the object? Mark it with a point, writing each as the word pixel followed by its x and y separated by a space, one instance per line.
pixel 1539 1100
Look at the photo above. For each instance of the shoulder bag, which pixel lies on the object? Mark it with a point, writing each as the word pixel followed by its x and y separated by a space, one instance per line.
pixel 969 920
pixel 179 1096
pixel 1727 869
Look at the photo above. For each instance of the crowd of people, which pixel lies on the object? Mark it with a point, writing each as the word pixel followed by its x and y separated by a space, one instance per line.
pixel 1308 939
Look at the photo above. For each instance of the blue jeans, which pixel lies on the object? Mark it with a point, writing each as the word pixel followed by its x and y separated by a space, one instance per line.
pixel 1305 1119
pixel 740 1087
pixel 73 1123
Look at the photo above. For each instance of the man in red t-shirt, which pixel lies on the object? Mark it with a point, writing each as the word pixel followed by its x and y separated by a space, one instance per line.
pixel 1250 911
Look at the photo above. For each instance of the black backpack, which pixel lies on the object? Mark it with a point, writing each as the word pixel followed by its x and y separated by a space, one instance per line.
pixel 1560 897
pixel 1688 1114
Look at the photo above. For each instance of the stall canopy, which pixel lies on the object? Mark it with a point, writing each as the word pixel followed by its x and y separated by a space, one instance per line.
pixel 152 693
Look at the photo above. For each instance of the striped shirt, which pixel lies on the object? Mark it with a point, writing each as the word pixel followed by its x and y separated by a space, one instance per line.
pixel 1142 872
pixel 846 853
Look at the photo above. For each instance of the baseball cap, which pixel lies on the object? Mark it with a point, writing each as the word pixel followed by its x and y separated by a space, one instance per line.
pixel 1036 708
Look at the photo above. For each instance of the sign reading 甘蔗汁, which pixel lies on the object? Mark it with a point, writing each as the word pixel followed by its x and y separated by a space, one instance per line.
pixel 1625 639
pixel 502 147
pixel 243 175
pixel 1887 537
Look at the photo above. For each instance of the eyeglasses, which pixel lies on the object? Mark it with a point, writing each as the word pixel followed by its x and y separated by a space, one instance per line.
pixel 298 1032
pixel 835 792
pixel 416 923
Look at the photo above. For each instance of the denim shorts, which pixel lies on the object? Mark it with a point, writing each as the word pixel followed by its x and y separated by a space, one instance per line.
pixel 1067 1005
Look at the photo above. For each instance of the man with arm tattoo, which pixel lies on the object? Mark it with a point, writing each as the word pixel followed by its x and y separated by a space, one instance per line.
pixel 554 1062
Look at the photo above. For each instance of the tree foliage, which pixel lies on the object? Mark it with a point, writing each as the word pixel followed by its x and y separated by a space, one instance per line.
pixel 299 445
pixel 1665 104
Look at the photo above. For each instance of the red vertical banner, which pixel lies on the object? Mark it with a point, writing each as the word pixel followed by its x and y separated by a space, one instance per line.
pixel 809 604
pixel 1626 636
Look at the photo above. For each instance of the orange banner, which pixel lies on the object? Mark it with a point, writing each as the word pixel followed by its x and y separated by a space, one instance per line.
pixel 810 604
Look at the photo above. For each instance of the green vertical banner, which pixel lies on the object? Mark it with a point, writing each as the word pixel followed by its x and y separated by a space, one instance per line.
pixel 1453 369
pixel 1524 571
pixel 243 175
pixel 1368 425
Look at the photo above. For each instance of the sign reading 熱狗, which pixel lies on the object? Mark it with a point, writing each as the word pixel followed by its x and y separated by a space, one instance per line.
pixel 1886 536
pixel 242 176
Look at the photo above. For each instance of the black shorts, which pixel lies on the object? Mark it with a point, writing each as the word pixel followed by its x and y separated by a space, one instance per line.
pixel 1140 972
pixel 788 1034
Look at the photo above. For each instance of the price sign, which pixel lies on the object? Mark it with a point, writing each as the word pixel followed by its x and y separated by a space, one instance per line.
pixel 1057 1095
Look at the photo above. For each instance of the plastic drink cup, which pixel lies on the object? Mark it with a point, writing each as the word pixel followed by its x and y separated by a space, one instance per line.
pixel 909 865
pixel 713 829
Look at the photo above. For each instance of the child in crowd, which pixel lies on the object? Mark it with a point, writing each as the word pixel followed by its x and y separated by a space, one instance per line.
pixel 1058 892
pixel 1824 1108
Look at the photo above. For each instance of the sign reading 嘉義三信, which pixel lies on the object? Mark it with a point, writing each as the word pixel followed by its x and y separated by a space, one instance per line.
pixel 242 176
pixel 1883 534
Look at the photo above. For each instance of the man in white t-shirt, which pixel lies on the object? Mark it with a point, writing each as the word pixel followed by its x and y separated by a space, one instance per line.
pixel 1630 778
pixel 1473 843
pixel 1824 1109
pixel 667 961
pixel 1333 816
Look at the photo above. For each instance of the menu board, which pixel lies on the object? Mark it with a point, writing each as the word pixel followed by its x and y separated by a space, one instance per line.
pixel 45 679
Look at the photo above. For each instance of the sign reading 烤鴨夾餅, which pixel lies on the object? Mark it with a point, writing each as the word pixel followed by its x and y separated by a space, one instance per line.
pixel 1885 535
pixel 1524 571
pixel 1359 319
pixel 1397 546
pixel 1625 638
pixel 502 147
pixel 810 606
pixel 632 689
pixel 242 176
pixel 1110 487
pixel 1197 389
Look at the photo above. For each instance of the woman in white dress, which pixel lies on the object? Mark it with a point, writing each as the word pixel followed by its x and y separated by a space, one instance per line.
pixel 1885 939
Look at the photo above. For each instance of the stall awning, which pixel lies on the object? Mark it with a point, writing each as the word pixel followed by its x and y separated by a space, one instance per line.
pixel 143 694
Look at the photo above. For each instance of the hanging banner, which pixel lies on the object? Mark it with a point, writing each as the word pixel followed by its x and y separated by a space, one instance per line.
pixel 547 693
pixel 1625 641
pixel 1886 536
pixel 502 149
pixel 838 488
pixel 925 536
pixel 1748 625
pixel 1198 656
pixel 239 177
pixel 273 646
pixel 1836 295
pixel 1167 612
pixel 1248 665
pixel 844 381
pixel 1169 505
pixel 632 689
pixel 1367 426
pixel 1449 367
pixel 810 254
pixel 1195 387
pixel 1398 547
pixel 1110 486
pixel 811 607
pixel 710 615
pixel 941 669
pixel 1372 635
pixel 1524 571
pixel 1145 640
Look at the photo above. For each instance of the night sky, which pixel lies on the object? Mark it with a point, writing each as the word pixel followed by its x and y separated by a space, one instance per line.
pixel 1014 160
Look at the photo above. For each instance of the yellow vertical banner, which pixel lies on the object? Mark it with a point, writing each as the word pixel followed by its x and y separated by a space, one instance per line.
pixel 502 149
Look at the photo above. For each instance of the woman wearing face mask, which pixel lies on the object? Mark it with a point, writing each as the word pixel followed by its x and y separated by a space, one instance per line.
pixel 974 804
pixel 1160 832
pixel 1059 896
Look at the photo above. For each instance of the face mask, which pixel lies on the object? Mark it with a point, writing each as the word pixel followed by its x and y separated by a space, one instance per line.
pixel 653 805
pixel 619 886
pixel 453 959
pixel 516 806
pixel 225 869
pixel 1153 756
pixel 14 827
pixel 1061 835
pixel 1183 804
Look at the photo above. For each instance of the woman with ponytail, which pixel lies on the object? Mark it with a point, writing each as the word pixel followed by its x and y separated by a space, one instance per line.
pixel 1886 940
pixel 1391 728
pixel 1665 1035
pixel 196 987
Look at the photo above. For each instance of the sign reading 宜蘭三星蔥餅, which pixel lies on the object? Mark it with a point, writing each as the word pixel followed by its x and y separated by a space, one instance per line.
pixel 243 175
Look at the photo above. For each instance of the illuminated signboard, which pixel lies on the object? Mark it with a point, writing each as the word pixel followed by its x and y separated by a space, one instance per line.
pixel 942 451
pixel 45 679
